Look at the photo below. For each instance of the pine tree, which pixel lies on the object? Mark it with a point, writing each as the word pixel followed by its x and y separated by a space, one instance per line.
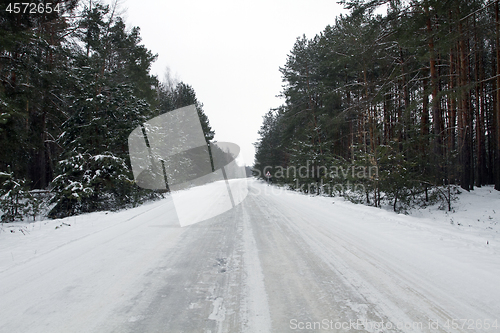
pixel 113 85
pixel 181 95
pixel 413 93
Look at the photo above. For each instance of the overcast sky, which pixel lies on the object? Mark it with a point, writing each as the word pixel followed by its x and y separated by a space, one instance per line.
pixel 229 52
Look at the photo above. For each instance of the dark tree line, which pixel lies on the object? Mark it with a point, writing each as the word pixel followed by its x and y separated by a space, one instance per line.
pixel 413 93
pixel 73 85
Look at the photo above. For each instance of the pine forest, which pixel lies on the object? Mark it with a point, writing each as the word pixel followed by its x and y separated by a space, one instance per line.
pixel 74 82
pixel 397 103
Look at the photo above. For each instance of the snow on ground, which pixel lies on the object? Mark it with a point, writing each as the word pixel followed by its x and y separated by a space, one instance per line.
pixel 473 223
pixel 22 241
pixel 407 267
pixel 476 213
pixel 429 265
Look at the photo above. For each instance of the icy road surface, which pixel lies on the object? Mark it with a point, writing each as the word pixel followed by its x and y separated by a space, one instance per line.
pixel 278 262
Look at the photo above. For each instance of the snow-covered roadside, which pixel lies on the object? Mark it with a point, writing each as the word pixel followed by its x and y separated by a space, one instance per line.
pixel 23 241
pixel 476 213
pixel 473 223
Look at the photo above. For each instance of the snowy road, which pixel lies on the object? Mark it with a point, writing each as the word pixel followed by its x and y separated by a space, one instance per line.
pixel 278 262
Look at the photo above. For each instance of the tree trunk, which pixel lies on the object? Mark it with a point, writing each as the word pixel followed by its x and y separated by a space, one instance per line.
pixel 464 127
pixel 436 114
pixel 480 168
pixel 452 118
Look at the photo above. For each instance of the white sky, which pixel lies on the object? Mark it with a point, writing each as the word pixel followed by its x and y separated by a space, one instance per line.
pixel 229 52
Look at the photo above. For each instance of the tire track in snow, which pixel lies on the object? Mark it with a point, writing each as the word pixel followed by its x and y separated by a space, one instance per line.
pixel 255 315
